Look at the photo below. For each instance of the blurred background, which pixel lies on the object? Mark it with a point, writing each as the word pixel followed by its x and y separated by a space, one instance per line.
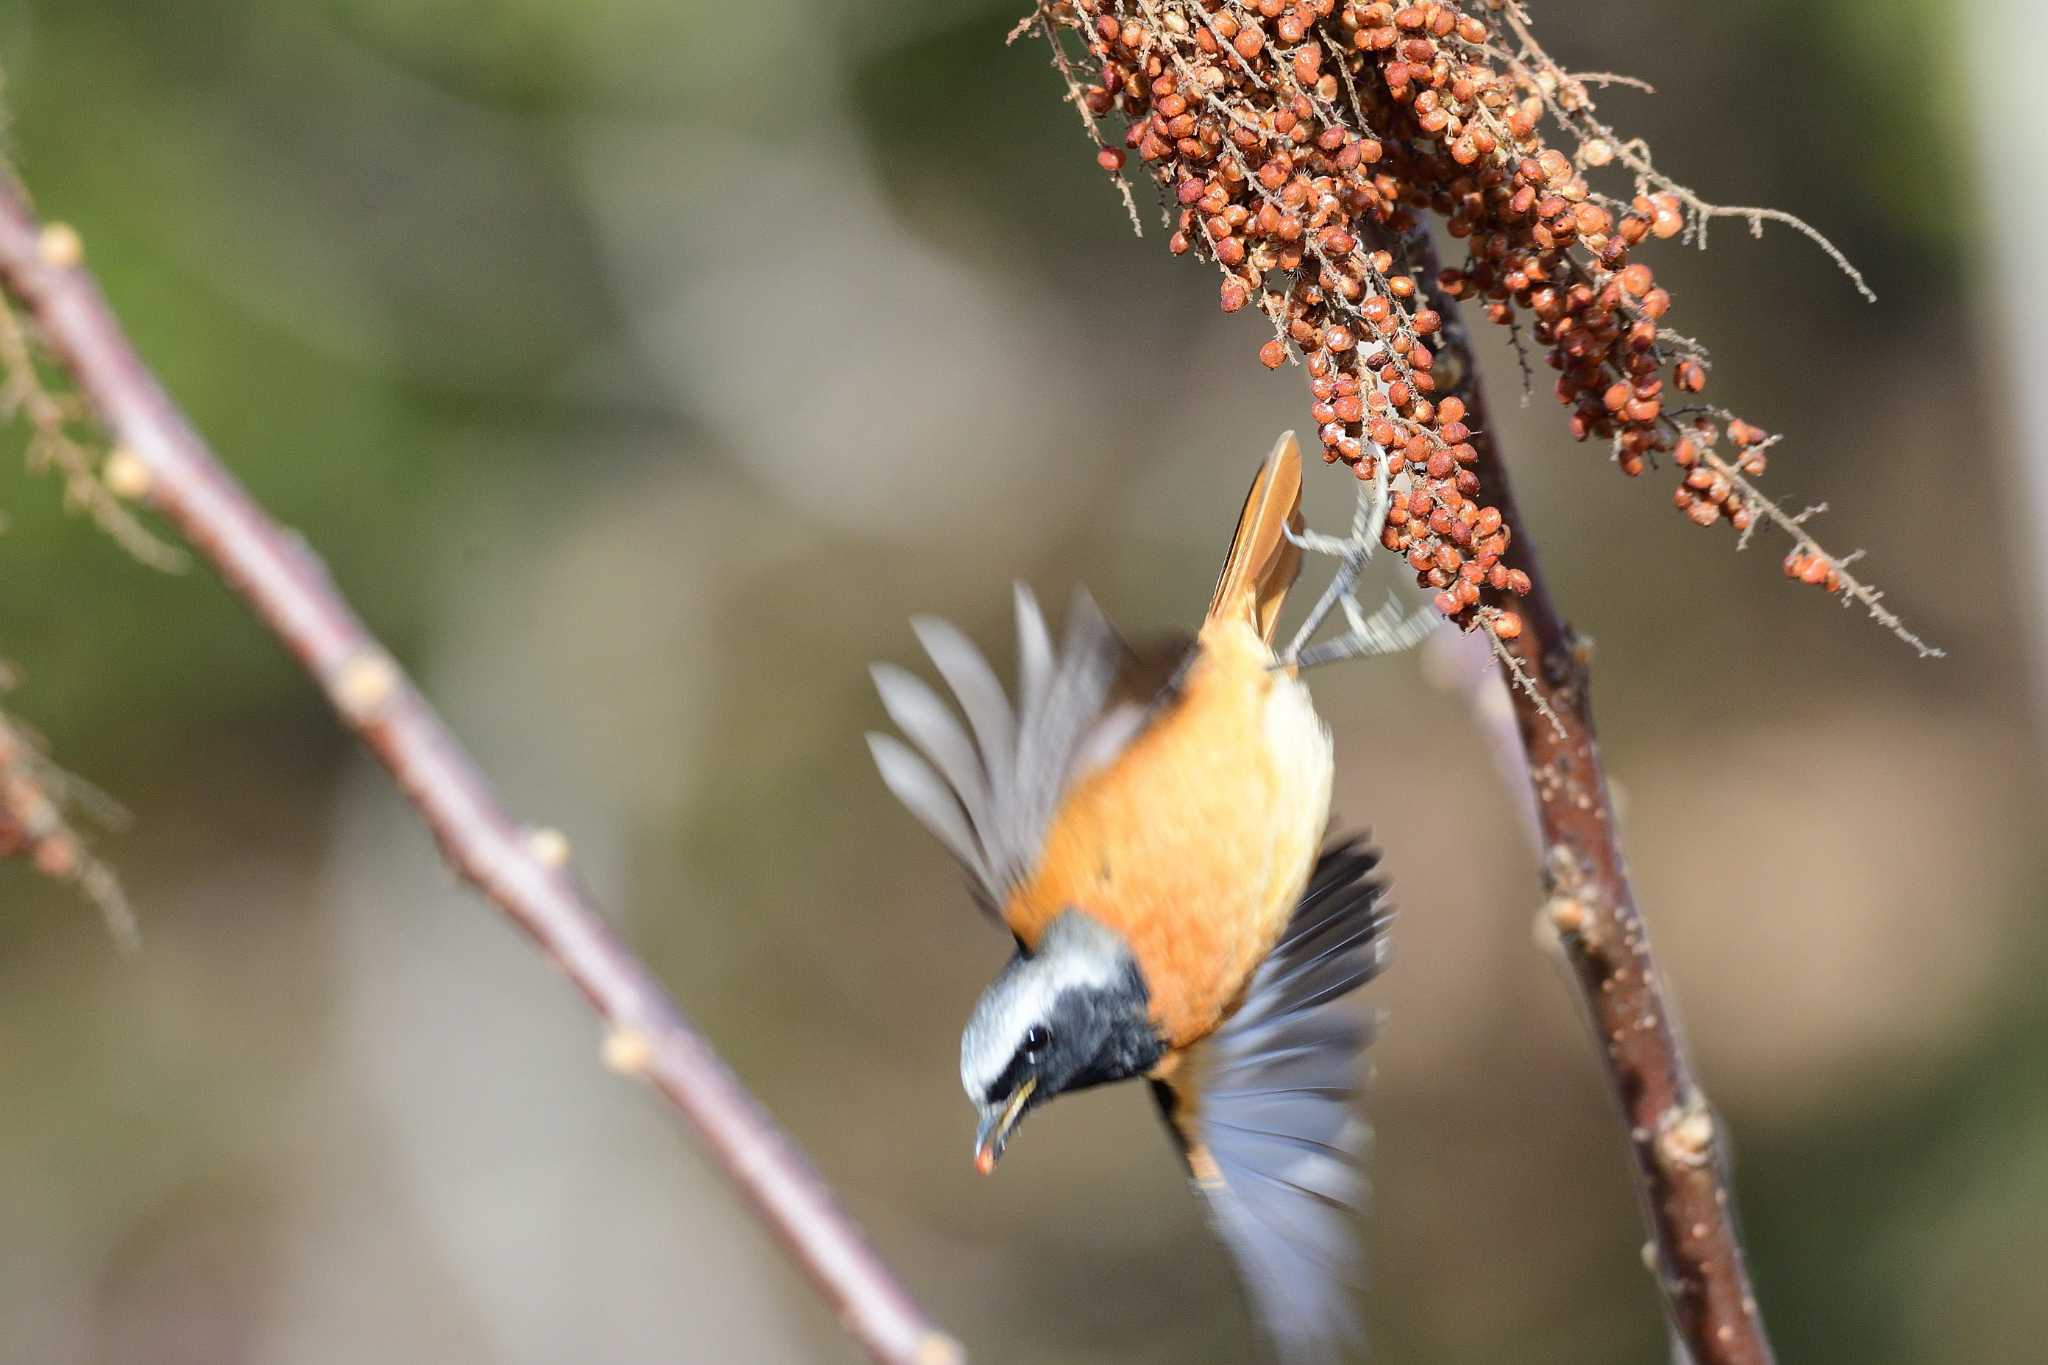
pixel 640 367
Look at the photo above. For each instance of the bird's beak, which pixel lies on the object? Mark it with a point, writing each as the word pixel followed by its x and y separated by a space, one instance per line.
pixel 996 1123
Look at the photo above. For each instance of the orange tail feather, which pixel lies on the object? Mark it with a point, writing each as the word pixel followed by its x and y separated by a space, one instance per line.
pixel 1263 563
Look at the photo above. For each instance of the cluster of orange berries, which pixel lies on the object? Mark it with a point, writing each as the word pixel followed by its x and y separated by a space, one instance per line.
pixel 1707 491
pixel 1300 144
pixel 1817 570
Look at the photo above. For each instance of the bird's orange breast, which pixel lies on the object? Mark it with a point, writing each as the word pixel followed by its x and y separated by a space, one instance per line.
pixel 1196 841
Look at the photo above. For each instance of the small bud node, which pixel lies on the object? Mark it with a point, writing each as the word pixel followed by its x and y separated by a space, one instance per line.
pixel 939 1349
pixel 363 684
pixel 60 246
pixel 627 1051
pixel 1686 1138
pixel 549 847
pixel 125 475
pixel 1567 916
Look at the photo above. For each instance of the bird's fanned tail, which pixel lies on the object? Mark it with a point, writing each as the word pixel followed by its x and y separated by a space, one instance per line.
pixel 1266 1117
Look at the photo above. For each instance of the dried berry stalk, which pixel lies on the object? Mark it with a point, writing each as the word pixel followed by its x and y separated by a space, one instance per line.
pixel 51 419
pixel 1296 143
pixel 521 871
pixel 37 798
pixel 37 802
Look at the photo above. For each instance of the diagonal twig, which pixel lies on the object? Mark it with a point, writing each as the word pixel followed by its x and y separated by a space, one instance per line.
pixel 523 872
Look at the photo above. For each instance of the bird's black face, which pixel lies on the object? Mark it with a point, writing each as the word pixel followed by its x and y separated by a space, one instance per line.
pixel 1074 1014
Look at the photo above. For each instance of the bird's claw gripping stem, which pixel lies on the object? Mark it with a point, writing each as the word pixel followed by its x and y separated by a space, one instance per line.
pixel 1389 630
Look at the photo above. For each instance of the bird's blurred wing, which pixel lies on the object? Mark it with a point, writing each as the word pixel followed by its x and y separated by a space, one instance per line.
pixel 1265 1114
pixel 988 789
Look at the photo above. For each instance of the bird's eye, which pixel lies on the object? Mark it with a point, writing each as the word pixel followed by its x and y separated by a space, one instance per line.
pixel 1037 1039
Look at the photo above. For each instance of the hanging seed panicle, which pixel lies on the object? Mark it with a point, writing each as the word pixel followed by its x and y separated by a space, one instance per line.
pixel 1298 144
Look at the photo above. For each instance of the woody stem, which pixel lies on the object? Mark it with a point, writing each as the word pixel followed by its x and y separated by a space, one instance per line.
pixel 1673 1136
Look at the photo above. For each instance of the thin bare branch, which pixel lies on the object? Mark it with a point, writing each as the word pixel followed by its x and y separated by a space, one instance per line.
pixel 522 872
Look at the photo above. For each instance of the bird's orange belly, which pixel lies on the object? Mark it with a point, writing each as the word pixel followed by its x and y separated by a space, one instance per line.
pixel 1195 843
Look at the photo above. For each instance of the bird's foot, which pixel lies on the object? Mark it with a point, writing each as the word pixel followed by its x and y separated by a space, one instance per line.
pixel 1389 630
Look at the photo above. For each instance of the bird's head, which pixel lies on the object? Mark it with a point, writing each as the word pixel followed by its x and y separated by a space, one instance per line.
pixel 1072 1013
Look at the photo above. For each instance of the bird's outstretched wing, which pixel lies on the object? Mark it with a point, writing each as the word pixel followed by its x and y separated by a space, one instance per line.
pixel 1265 1114
pixel 990 798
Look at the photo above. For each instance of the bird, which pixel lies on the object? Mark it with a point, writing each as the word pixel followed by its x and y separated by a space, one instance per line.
pixel 1151 824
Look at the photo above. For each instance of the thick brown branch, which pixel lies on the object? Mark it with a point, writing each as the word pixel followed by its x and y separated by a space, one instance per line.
pixel 1672 1133
pixel 521 871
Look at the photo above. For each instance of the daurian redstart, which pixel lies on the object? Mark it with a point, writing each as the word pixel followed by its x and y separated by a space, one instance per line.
pixel 1147 822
